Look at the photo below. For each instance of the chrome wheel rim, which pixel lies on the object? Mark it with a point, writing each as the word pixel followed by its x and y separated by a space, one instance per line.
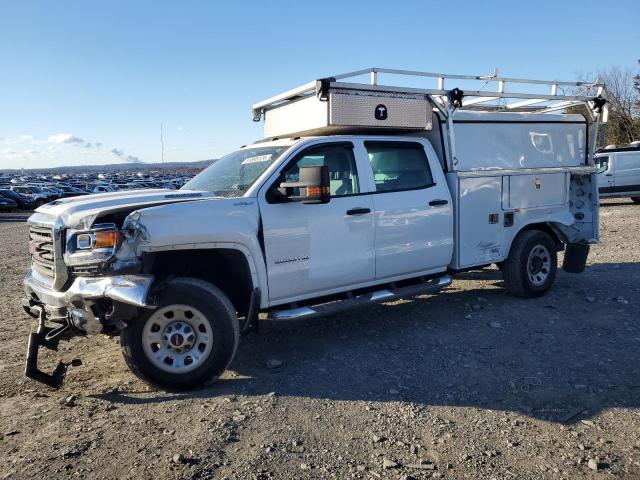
pixel 539 265
pixel 177 338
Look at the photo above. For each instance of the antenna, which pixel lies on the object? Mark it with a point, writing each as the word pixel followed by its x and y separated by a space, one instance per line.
pixel 161 145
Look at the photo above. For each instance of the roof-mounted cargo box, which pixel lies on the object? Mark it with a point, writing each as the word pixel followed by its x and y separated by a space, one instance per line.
pixel 337 110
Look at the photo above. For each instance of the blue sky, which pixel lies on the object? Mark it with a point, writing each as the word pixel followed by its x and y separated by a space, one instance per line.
pixel 90 82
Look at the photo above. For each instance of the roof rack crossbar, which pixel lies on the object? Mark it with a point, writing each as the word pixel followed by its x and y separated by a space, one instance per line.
pixel 581 92
pixel 492 77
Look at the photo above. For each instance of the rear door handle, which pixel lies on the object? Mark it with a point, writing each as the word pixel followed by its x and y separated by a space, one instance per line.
pixel 608 175
pixel 435 203
pixel 358 211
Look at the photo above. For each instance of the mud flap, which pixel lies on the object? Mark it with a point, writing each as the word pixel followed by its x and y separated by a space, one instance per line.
pixel 49 338
pixel 575 258
pixel 251 320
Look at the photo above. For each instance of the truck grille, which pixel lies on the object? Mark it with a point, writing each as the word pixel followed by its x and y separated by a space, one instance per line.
pixel 41 247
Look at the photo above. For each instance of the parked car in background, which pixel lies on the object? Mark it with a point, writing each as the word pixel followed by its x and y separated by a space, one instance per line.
pixel 102 189
pixel 619 172
pixel 23 202
pixel 55 192
pixel 39 196
pixel 69 191
pixel 7 205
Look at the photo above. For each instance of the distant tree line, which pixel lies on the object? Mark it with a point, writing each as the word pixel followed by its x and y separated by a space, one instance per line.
pixel 623 93
pixel 623 96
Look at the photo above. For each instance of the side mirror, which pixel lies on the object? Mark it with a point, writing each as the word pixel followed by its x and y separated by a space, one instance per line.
pixel 313 185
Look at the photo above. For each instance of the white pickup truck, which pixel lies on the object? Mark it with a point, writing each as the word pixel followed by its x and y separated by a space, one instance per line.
pixel 359 193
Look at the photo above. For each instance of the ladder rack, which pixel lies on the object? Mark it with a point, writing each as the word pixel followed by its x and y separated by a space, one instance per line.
pixel 312 105
pixel 590 94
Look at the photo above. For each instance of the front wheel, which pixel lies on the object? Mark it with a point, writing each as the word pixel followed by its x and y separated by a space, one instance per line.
pixel 532 264
pixel 189 339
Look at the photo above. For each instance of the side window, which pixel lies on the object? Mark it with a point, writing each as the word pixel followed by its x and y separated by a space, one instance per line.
pixel 399 166
pixel 339 160
pixel 602 163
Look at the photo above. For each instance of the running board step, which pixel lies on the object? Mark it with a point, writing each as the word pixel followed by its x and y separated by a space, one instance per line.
pixel 387 295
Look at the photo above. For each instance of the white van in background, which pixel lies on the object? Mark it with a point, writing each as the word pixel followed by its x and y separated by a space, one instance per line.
pixel 619 172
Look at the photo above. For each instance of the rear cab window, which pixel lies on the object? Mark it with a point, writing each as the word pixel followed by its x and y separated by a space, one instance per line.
pixel 399 166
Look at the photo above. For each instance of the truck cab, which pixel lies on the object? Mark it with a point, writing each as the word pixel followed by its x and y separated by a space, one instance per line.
pixel 332 210
pixel 388 216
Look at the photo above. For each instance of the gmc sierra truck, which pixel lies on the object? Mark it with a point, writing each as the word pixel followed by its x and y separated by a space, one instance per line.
pixel 359 193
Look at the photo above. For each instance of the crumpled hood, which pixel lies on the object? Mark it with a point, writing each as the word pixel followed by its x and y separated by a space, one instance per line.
pixel 216 221
pixel 75 211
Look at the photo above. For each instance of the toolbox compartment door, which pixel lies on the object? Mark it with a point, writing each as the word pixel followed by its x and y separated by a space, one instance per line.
pixel 537 190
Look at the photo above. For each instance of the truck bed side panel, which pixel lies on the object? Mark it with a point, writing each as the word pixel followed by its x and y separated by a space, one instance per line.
pixel 492 207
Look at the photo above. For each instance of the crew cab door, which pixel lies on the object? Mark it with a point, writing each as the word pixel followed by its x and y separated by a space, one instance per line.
pixel 312 250
pixel 413 211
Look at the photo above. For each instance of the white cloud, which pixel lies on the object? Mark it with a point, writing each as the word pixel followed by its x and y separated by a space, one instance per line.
pixel 29 151
pixel 65 138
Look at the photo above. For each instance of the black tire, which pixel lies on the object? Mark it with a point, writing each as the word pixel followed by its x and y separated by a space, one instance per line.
pixel 218 313
pixel 635 199
pixel 519 270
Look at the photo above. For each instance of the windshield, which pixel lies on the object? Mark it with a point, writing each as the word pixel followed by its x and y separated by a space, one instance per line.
pixel 233 174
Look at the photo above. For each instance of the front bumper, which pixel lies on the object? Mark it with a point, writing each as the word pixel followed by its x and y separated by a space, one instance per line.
pixel 77 301
pixel 72 312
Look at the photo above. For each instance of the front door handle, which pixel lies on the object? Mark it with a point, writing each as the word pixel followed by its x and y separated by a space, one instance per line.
pixel 435 203
pixel 358 211
pixel 608 175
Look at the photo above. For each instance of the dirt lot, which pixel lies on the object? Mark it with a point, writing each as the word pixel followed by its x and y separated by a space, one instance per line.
pixel 471 383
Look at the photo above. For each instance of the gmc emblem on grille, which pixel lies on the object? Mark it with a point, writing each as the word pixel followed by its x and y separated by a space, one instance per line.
pixel 380 112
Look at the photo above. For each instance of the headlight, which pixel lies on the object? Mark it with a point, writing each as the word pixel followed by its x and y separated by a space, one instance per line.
pixel 97 239
pixel 95 246
pixel 84 241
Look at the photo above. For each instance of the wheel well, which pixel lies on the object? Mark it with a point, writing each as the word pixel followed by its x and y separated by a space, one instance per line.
pixel 227 269
pixel 555 235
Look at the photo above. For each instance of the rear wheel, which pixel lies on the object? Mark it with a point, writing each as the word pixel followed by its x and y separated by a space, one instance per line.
pixel 635 199
pixel 531 267
pixel 189 339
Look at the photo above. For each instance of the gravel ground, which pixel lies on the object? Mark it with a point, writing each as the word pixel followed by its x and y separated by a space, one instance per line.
pixel 471 383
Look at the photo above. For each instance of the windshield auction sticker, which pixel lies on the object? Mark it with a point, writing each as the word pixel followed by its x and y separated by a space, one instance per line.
pixel 257 159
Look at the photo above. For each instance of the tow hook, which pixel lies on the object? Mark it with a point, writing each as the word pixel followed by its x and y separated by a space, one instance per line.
pixel 47 337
